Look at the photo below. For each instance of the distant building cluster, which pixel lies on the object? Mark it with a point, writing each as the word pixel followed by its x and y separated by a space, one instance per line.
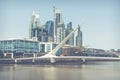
pixel 53 31
pixel 43 38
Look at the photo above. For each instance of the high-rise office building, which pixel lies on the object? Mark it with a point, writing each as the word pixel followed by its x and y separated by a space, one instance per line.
pixel 37 31
pixel 68 31
pixel 40 33
pixel 58 17
pixel 59 26
pixel 79 38
pixel 34 23
pixel 60 35
pixel 49 26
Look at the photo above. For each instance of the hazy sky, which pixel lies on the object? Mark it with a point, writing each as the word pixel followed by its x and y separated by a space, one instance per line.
pixel 99 19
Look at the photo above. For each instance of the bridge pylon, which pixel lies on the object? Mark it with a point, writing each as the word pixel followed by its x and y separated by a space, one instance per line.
pixel 53 52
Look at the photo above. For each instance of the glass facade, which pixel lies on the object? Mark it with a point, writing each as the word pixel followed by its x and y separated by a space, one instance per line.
pixel 79 38
pixel 60 35
pixel 40 33
pixel 36 30
pixel 58 16
pixel 19 46
pixel 24 46
pixel 49 26
pixel 68 31
pixel 42 48
pixel 34 23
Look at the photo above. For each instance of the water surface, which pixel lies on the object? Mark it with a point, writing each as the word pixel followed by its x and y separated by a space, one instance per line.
pixel 88 71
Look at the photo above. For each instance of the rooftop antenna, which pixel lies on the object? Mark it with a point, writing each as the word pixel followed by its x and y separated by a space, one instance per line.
pixel 54 10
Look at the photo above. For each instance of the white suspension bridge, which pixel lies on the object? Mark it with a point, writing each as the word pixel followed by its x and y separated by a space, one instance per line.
pixel 51 56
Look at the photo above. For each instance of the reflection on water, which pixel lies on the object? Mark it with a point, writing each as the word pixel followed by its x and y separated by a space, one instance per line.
pixel 89 71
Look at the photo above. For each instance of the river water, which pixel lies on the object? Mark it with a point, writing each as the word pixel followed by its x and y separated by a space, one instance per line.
pixel 87 71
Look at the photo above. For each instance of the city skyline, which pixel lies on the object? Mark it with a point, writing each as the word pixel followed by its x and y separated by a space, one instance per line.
pixel 99 19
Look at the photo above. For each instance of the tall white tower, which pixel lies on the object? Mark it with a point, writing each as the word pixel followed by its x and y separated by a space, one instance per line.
pixel 35 22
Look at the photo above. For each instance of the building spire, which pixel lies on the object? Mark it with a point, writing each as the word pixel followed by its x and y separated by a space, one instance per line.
pixel 54 10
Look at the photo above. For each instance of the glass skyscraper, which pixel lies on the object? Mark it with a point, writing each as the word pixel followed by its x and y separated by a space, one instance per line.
pixel 40 33
pixel 60 32
pixel 79 38
pixel 37 31
pixel 58 17
pixel 33 24
pixel 68 31
pixel 59 26
pixel 49 26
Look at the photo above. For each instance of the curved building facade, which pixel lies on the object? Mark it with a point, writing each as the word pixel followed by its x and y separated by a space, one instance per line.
pixel 49 26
